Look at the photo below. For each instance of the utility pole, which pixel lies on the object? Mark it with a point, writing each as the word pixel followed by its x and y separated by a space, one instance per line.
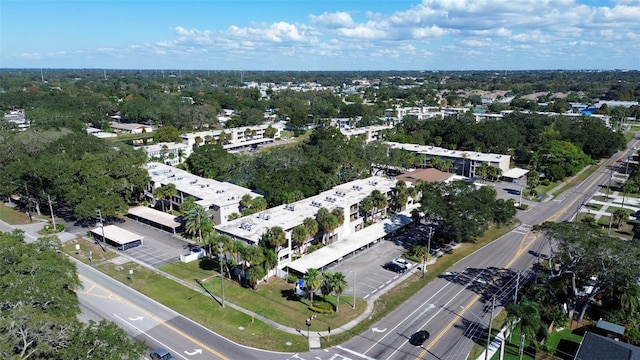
pixel 53 218
pixel 220 247
pixel 354 289
pixel 515 296
pixel 104 240
pixel 424 266
pixel 486 353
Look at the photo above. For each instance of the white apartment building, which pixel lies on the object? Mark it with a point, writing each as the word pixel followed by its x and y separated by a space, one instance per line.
pixel 465 163
pixel 222 198
pixel 236 138
pixel 346 196
pixel 370 133
pixel 170 153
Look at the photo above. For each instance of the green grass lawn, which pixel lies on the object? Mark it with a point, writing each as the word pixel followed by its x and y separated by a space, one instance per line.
pixel 205 310
pixel 13 217
pixel 274 300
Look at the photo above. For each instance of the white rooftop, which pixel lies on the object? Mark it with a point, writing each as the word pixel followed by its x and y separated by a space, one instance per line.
pixel 442 152
pixel 288 216
pixel 333 252
pixel 206 191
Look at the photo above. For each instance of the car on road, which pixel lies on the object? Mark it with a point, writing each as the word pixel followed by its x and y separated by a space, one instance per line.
pixel 395 267
pixel 402 262
pixel 161 354
pixel 419 337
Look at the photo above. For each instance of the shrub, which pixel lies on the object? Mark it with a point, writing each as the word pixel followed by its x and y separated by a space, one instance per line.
pixel 322 307
pixel 49 229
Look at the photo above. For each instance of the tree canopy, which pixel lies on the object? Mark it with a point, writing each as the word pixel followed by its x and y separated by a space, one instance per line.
pixel 39 308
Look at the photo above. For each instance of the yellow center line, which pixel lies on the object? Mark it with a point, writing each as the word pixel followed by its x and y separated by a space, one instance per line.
pixel 524 246
pixel 158 320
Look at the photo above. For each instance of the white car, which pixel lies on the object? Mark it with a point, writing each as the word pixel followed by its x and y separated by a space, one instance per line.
pixel 402 262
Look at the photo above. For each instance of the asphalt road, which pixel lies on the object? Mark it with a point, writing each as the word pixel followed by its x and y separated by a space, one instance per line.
pixel 146 320
pixel 456 307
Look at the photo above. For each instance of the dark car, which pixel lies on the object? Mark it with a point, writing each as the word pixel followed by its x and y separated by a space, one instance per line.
pixel 418 338
pixel 395 267
pixel 161 354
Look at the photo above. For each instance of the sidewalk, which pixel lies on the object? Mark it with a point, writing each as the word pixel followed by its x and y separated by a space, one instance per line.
pixel 31 232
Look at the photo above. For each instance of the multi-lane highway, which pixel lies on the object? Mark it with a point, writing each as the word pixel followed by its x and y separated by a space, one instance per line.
pixel 146 320
pixel 456 307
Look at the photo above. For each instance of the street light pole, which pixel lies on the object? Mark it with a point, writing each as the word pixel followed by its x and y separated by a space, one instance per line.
pixel 104 240
pixel 486 353
pixel 354 289
pixel 424 267
pixel 220 247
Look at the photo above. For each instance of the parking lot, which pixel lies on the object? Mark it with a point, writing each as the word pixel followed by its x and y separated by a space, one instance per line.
pixel 365 271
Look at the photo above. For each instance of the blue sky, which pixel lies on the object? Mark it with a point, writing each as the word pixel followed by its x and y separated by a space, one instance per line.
pixel 321 34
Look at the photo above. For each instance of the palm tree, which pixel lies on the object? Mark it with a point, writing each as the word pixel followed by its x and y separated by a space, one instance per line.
pixel 619 215
pixel 273 238
pixel 169 192
pixel 198 222
pixel 464 163
pixel 298 235
pixel 339 284
pixel 421 252
pixel 628 187
pixel 379 202
pixel 366 205
pixel 338 213
pixel 327 222
pixel 312 281
pixel 159 193
pixel 483 171
pixel 181 155
pixel 310 226
pixel 254 274
pixel 401 194
pixel 526 315
pixel 165 150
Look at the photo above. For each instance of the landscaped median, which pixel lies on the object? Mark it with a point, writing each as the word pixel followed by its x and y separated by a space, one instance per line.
pixel 274 300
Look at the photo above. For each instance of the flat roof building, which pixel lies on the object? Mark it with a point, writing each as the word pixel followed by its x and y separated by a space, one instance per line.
pixel 347 196
pixel 170 153
pixel 222 198
pixel 234 138
pixel 465 163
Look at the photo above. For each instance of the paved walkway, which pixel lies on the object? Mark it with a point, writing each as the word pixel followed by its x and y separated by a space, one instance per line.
pixel 31 233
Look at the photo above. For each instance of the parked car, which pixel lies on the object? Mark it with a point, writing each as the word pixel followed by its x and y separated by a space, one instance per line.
pixel 418 338
pixel 161 354
pixel 395 267
pixel 402 262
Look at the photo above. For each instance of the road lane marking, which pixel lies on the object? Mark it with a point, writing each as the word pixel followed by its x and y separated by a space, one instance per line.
pixel 159 321
pixel 522 247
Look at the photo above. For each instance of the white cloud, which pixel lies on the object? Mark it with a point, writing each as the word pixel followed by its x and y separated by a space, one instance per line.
pixel 334 20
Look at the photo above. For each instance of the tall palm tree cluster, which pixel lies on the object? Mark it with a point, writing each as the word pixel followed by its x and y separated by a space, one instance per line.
pixel 327 282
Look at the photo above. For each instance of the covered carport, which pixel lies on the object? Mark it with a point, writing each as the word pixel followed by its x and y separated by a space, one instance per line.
pixel 155 218
pixel 360 240
pixel 117 237
pixel 513 175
